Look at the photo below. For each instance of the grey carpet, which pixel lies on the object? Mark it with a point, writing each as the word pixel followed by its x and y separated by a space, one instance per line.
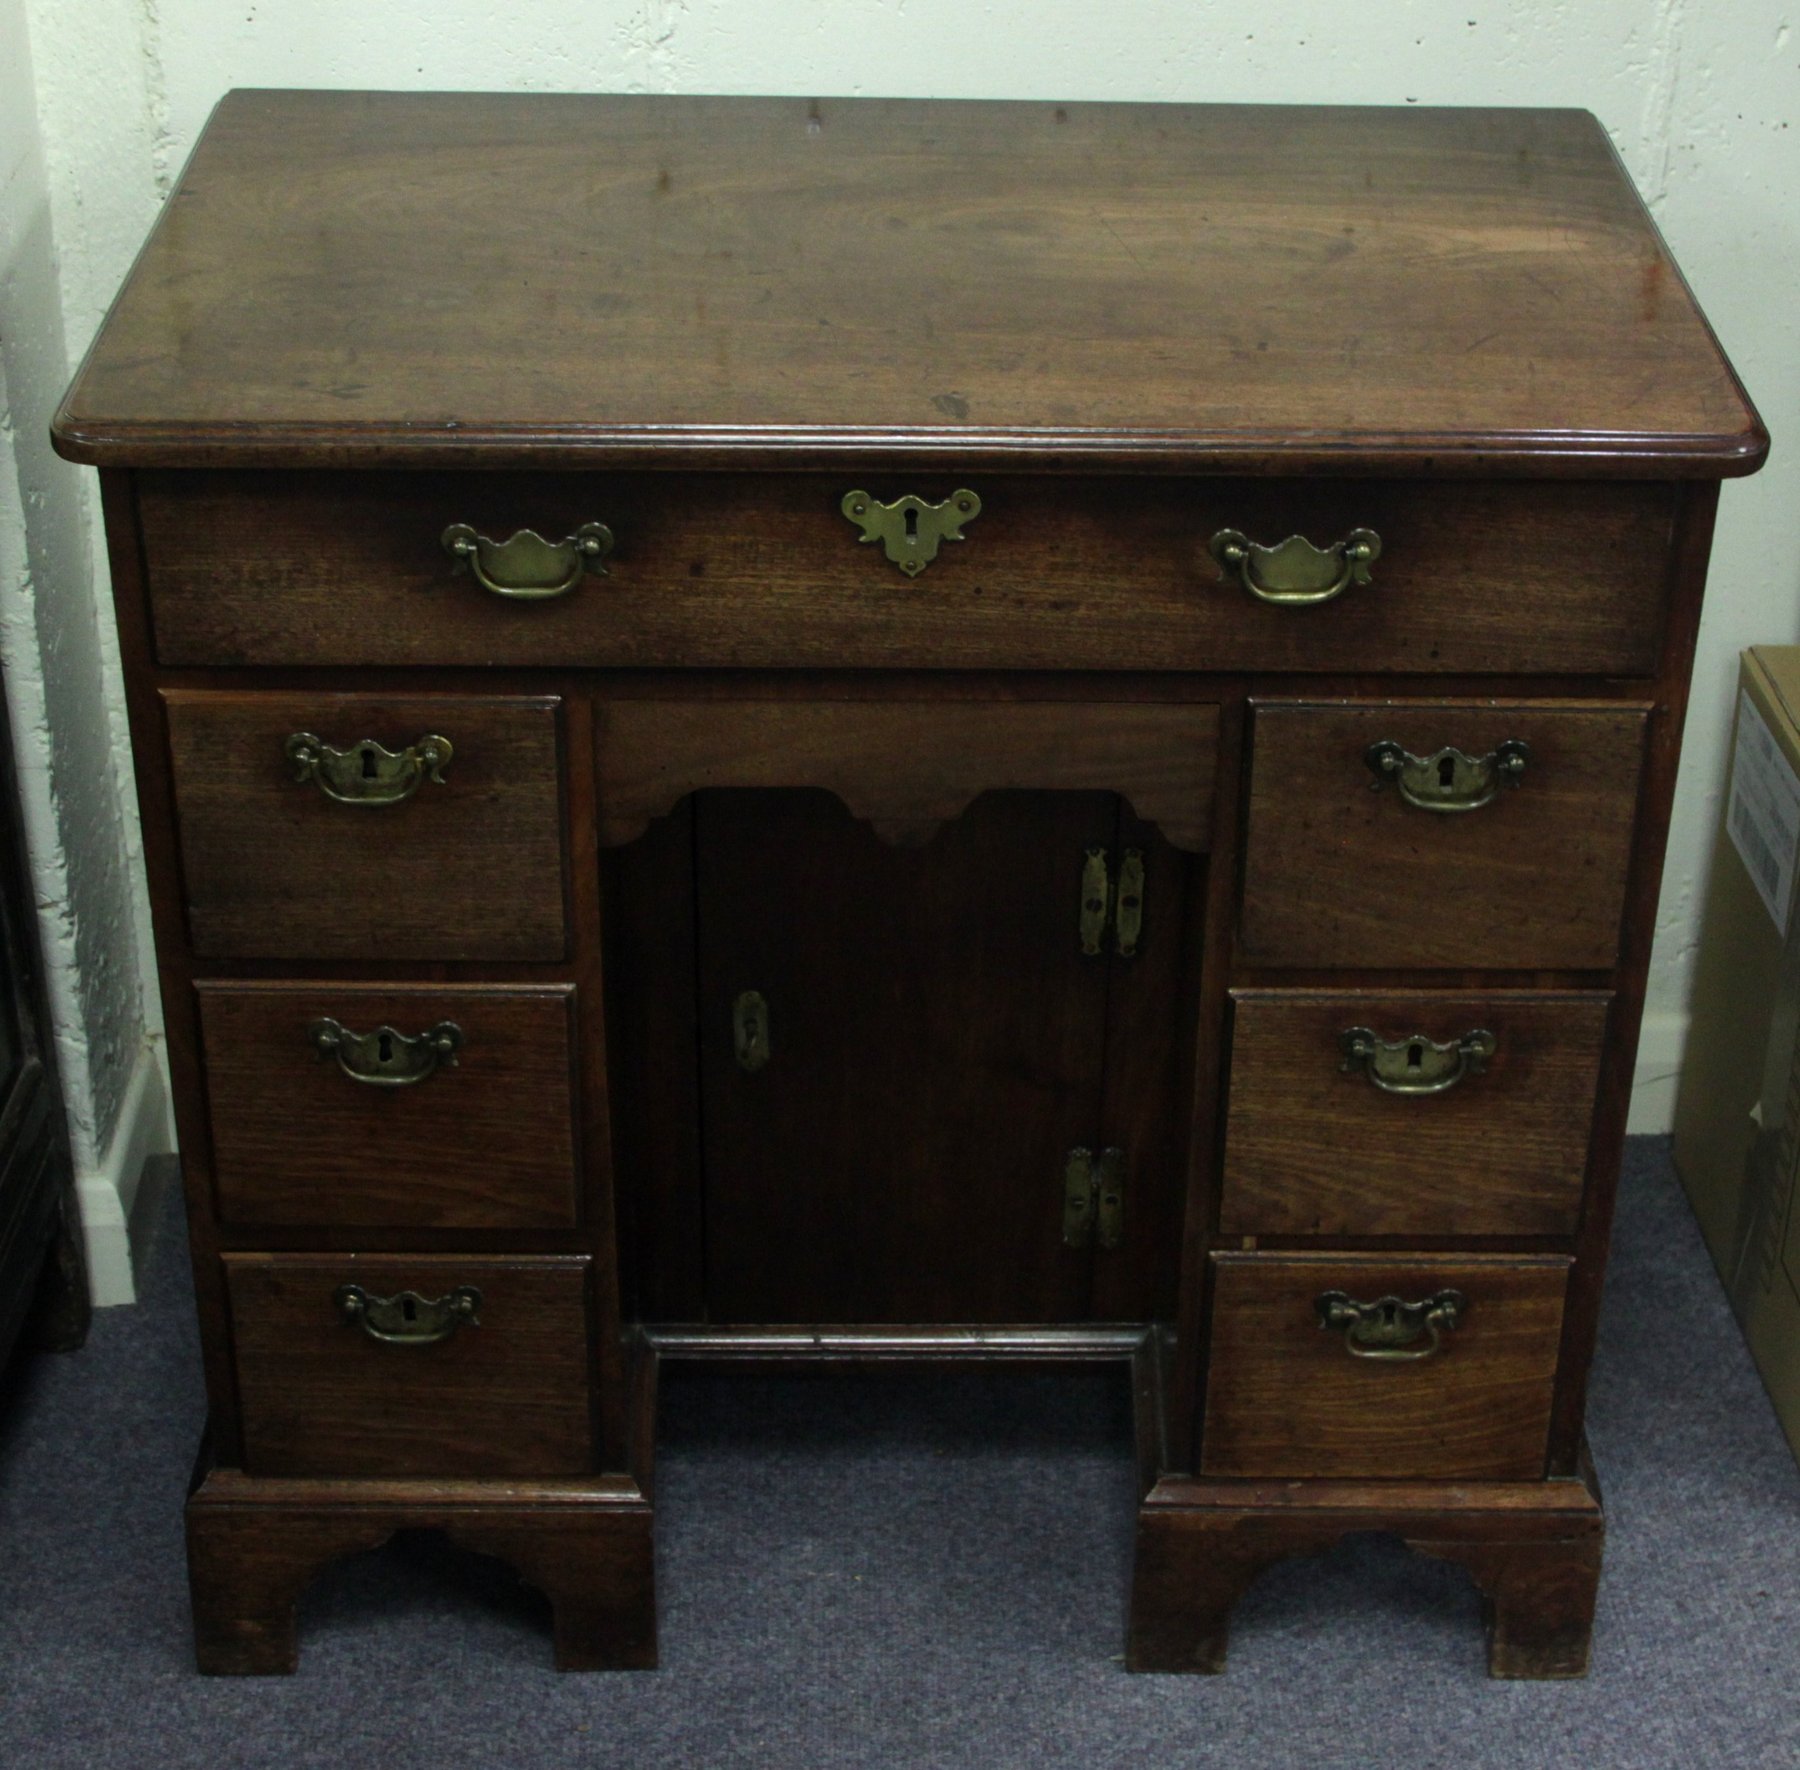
pixel 917 1570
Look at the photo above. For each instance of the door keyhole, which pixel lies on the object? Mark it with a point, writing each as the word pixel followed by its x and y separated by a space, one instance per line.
pixel 384 1047
pixel 912 524
pixel 750 1031
pixel 368 764
pixel 1447 773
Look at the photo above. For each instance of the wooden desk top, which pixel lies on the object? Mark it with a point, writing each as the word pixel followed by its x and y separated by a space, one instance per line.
pixel 400 279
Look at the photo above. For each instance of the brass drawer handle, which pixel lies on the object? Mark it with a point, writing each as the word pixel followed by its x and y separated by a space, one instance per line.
pixel 527 568
pixel 385 1058
pixel 909 529
pixel 408 1319
pixel 367 773
pixel 1295 574
pixel 1388 1328
pixel 1417 1065
pixel 1448 779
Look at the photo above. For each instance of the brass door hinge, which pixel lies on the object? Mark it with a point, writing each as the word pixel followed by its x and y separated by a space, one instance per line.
pixel 1103 907
pixel 1128 917
pixel 1096 900
pixel 1094 1198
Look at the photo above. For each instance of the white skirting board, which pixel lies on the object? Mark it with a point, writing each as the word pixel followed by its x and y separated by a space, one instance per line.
pixel 1660 1044
pixel 108 1194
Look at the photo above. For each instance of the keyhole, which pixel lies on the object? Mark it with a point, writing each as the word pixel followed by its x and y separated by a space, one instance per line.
pixel 1447 773
pixel 368 764
pixel 1415 1056
pixel 912 523
pixel 409 1309
pixel 384 1048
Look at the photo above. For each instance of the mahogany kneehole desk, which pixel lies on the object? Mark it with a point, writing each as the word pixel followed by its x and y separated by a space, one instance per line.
pixel 902 730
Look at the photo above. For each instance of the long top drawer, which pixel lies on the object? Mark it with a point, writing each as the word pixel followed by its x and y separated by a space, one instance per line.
pixel 772 570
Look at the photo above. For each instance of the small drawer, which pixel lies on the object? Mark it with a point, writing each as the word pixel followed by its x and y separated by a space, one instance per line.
pixel 380 848
pixel 347 1106
pixel 1410 1113
pixel 1347 866
pixel 1302 1383
pixel 768 570
pixel 500 1390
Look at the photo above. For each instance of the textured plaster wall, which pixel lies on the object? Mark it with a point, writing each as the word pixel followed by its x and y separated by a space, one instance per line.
pixel 62 692
pixel 1702 98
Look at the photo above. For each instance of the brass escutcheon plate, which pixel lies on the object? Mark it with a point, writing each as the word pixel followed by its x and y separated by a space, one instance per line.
pixel 909 529
pixel 1415 1065
pixel 1448 779
pixel 408 1319
pixel 385 1058
pixel 368 773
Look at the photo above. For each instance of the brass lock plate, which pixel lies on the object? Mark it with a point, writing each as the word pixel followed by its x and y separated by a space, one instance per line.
pixel 750 1031
pixel 387 1058
pixel 1448 779
pixel 368 773
pixel 909 529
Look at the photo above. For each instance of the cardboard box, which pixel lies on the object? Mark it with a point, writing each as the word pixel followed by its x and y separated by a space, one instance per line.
pixel 1737 1108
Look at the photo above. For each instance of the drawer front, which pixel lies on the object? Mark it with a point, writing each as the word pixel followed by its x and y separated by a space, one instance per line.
pixel 466 865
pixel 1463 1115
pixel 1342 870
pixel 766 570
pixel 355 1107
pixel 1286 1396
pixel 909 767
pixel 321 1396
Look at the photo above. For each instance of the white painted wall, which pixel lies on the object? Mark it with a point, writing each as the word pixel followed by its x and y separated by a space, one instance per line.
pixel 1701 96
pixel 62 684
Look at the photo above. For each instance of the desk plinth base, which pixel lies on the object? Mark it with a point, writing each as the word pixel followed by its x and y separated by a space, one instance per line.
pixel 1532 1548
pixel 255 1544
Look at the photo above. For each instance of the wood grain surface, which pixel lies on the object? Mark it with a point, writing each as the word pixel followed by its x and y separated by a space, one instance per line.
pixel 469 867
pixel 1533 1551
pixel 910 1118
pixel 1340 873
pixel 702 322
pixel 1284 1397
pixel 937 1046
pixel 319 1397
pixel 488 1141
pixel 526 277
pixel 255 1545
pixel 1055 572
pixel 1313 1149
pixel 908 767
